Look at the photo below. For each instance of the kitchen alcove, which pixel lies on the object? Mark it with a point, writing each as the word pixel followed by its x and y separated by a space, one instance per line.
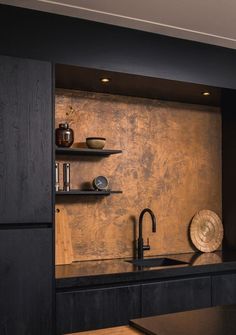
pixel 59 40
pixel 134 101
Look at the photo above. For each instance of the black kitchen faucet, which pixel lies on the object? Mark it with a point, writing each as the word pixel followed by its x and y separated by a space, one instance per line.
pixel 141 246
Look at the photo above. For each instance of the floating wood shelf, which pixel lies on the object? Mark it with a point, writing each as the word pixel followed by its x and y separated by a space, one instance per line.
pixel 88 192
pixel 86 152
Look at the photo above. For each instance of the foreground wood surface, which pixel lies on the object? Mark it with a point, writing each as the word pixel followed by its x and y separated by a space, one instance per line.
pixel 124 330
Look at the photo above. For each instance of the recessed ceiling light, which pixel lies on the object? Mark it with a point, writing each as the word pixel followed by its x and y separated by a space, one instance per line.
pixel 105 80
pixel 206 94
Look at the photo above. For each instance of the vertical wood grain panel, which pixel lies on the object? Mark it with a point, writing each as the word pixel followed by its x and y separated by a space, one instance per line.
pixel 171 162
pixel 98 308
pixel 176 296
pixel 224 289
pixel 25 141
pixel 26 283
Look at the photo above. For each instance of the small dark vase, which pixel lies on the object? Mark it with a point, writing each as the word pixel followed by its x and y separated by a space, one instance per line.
pixel 64 135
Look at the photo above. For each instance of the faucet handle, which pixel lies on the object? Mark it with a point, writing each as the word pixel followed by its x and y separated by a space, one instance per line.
pixel 147 246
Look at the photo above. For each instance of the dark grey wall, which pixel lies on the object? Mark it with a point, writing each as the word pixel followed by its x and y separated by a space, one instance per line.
pixel 78 42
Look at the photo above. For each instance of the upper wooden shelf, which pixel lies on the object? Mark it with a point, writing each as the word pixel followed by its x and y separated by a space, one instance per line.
pixel 86 152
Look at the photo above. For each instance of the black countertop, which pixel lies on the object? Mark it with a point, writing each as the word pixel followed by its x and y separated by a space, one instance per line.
pixel 210 321
pixel 118 271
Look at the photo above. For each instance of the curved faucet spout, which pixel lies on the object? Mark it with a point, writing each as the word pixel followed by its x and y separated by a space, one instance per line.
pixel 154 224
pixel 141 246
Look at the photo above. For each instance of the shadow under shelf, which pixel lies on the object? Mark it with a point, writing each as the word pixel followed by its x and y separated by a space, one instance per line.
pixel 88 192
pixel 86 152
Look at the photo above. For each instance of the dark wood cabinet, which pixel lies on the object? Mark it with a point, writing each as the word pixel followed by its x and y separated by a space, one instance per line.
pixel 175 295
pixel 224 289
pixel 25 141
pixel 97 308
pixel 26 202
pixel 26 283
pixel 105 307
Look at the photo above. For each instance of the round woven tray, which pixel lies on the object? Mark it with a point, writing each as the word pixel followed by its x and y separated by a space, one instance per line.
pixel 206 231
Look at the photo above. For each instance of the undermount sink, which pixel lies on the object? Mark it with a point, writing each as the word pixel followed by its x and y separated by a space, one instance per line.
pixel 155 262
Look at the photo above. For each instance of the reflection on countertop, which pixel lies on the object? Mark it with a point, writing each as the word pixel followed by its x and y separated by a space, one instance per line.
pixel 102 271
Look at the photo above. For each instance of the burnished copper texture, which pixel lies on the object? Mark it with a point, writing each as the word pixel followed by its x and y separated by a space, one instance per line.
pixel 171 162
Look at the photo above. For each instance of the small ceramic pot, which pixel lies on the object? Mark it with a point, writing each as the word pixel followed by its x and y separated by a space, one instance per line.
pixel 64 135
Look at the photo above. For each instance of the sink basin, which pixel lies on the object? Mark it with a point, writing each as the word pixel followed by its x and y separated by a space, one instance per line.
pixel 155 262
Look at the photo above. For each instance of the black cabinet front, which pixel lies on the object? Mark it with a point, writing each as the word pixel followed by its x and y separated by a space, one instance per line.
pixel 175 295
pixel 97 308
pixel 224 289
pixel 25 141
pixel 26 272
pixel 26 254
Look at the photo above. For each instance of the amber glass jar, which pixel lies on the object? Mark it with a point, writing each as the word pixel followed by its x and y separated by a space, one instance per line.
pixel 64 135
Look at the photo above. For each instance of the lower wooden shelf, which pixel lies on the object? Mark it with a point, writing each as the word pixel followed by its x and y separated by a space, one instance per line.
pixel 88 192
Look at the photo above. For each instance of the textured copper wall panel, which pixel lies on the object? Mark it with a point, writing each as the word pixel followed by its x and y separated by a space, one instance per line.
pixel 171 162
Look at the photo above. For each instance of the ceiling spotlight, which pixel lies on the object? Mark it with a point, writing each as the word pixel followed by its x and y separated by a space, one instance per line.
pixel 105 80
pixel 206 94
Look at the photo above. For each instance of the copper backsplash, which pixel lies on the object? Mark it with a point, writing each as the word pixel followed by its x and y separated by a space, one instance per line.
pixel 171 162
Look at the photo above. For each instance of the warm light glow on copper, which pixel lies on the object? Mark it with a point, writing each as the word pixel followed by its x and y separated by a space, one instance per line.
pixel 105 80
pixel 206 94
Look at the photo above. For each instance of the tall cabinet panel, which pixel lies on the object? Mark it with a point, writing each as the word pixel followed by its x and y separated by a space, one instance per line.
pixel 26 281
pixel 25 141
pixel 26 204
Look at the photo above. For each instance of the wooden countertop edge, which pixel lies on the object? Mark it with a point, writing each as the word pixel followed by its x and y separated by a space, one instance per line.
pixel 123 330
